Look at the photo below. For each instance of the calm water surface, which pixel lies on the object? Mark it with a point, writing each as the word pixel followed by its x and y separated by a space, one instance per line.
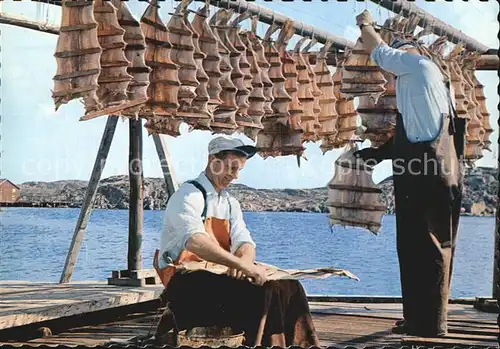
pixel 34 244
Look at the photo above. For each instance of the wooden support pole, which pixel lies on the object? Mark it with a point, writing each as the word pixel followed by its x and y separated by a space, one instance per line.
pixel 496 244
pixel 496 253
pixel 438 27
pixel 166 165
pixel 95 177
pixel 136 209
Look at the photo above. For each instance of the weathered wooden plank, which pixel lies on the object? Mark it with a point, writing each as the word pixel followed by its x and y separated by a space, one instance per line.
pixel 447 341
pixel 457 312
pixel 91 191
pixel 115 109
pixel 134 274
pixel 42 302
pixel 18 21
pixel 127 282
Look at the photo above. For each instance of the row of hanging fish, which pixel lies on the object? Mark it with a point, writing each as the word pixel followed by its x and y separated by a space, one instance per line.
pixel 468 95
pixel 212 75
pixel 470 102
pixel 208 73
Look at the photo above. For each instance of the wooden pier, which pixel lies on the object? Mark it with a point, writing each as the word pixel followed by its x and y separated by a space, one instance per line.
pixel 40 204
pixel 90 314
pixel 24 303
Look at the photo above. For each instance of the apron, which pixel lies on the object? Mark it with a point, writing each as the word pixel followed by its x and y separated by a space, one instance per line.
pixel 428 193
pixel 219 231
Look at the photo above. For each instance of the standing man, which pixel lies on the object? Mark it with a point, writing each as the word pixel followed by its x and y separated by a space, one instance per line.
pixel 425 151
pixel 203 222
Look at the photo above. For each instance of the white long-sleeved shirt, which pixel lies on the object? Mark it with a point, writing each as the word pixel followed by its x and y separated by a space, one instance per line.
pixel 421 94
pixel 182 217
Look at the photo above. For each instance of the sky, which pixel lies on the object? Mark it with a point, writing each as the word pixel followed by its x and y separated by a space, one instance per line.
pixel 41 144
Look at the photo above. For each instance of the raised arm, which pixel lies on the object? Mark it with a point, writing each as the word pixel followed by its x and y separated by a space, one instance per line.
pixel 371 39
pixel 397 62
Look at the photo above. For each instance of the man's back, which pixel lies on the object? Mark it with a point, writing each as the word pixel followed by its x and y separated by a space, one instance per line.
pixel 422 96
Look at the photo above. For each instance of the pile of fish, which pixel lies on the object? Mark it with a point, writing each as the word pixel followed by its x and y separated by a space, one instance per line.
pixel 272 272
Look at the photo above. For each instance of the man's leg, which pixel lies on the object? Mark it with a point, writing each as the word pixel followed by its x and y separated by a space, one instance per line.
pixel 202 298
pixel 434 245
pixel 409 224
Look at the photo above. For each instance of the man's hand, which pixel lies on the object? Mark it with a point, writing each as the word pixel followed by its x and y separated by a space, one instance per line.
pixel 245 252
pixel 256 273
pixel 364 17
pixel 236 274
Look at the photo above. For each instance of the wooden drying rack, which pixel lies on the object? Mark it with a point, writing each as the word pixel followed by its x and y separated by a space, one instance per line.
pixel 135 275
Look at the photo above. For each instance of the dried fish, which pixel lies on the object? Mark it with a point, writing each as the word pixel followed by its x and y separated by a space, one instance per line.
pixel 256 98
pixel 77 56
pixel 164 84
pixel 135 49
pixel 308 120
pixel 264 66
pixel 281 98
pixel 240 74
pixel 379 118
pixel 225 113
pixel 328 114
pixel 360 75
pixel 272 272
pixel 182 54
pixel 353 198
pixel 211 62
pixel 347 115
pixel 114 78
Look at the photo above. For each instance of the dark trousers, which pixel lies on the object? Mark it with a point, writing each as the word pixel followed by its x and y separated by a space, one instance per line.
pixel 202 298
pixel 427 225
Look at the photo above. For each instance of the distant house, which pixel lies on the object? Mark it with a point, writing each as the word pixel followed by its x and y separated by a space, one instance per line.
pixel 9 192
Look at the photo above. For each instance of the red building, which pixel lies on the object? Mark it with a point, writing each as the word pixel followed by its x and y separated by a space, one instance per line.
pixel 9 192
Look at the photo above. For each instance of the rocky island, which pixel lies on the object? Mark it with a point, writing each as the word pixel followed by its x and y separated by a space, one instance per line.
pixel 480 194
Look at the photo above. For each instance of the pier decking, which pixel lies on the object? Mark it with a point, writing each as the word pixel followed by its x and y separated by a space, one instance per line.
pixel 24 303
pixel 92 314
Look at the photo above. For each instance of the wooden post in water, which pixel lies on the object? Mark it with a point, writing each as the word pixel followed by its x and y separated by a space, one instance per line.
pixel 496 255
pixel 166 165
pixel 136 210
pixel 95 177
pixel 496 244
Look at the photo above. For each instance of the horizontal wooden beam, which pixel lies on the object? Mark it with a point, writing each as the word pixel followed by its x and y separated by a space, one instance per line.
pixel 485 62
pixel 25 23
pixel 438 27
pixel 488 62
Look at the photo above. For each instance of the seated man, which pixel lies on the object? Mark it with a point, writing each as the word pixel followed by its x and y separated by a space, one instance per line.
pixel 203 222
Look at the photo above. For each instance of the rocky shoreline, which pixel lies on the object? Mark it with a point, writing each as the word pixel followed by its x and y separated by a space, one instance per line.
pixel 480 194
